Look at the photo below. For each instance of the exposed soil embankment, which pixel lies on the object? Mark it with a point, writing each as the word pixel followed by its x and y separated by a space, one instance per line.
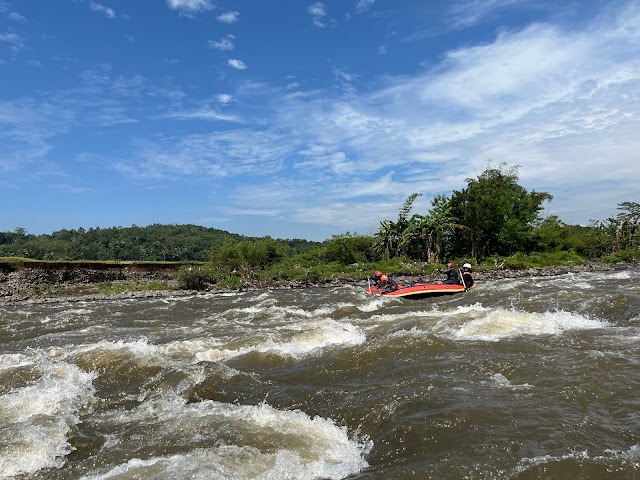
pixel 55 281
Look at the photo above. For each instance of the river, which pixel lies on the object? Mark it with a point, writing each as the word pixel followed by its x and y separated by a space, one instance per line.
pixel 534 378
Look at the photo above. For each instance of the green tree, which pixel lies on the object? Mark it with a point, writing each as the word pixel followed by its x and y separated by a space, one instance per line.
pixel 389 240
pixel 498 214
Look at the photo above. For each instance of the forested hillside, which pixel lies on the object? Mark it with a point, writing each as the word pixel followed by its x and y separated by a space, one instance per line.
pixel 151 243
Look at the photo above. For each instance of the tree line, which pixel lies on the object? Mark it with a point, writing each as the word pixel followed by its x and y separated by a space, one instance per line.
pixel 493 216
pixel 171 243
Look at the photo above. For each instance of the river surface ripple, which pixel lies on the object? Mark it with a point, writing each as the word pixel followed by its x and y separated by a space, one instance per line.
pixel 531 378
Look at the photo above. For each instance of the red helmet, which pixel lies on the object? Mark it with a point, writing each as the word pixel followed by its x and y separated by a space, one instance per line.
pixel 378 274
pixel 449 265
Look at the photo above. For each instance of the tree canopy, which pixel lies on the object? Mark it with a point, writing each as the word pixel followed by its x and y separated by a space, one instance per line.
pixel 497 213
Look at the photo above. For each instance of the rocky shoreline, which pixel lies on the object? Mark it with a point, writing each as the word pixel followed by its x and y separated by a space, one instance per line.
pixel 41 284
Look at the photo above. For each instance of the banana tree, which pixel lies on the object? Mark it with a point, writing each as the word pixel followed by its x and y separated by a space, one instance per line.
pixel 432 230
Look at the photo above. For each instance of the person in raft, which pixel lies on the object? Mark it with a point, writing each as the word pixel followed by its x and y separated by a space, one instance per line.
pixel 452 275
pixel 467 275
pixel 384 283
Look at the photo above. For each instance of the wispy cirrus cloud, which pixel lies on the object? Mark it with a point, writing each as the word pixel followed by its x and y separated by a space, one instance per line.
pixel 106 11
pixel 560 102
pixel 203 114
pixel 12 44
pixel 466 13
pixel 16 17
pixel 216 154
pixel 226 43
pixel 364 5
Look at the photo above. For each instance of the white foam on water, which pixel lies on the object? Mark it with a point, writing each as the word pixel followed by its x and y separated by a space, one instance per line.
pixel 326 310
pixel 260 442
pixel 396 317
pixel 37 419
pixel 630 455
pixel 499 380
pixel 294 340
pixel 14 360
pixel 496 324
pixel 622 275
pixel 412 332
pixel 375 302
pixel 527 463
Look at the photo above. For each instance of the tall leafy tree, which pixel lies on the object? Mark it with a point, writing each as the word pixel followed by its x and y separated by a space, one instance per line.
pixel 497 212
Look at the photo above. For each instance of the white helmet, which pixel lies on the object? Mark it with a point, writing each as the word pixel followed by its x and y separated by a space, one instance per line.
pixel 466 265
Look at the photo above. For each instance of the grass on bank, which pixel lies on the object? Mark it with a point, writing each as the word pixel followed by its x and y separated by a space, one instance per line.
pixel 305 269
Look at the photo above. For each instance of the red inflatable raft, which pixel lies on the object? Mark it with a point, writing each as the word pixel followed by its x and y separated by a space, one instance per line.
pixel 421 290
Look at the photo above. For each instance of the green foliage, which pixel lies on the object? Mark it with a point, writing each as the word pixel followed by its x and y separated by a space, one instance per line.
pixel 390 239
pixel 247 257
pixel 196 278
pixel 626 255
pixel 498 214
pixel 152 243
pixel 492 216
pixel 543 259
pixel 346 249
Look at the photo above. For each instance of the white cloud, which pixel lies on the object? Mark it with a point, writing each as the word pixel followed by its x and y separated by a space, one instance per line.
pixel 237 64
pixel 217 154
pixel 225 43
pixel 229 17
pixel 16 17
pixel 15 40
pixel 96 7
pixel 66 188
pixel 466 13
pixel 190 5
pixel 564 104
pixel 364 5
pixel 203 114
pixel 318 11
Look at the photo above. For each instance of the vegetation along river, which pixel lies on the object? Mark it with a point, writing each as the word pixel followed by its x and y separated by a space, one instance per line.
pixel 534 378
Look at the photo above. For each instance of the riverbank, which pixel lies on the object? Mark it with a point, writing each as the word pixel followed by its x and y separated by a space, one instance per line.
pixel 50 283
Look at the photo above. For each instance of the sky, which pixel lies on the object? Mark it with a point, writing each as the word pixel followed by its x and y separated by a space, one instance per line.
pixel 302 119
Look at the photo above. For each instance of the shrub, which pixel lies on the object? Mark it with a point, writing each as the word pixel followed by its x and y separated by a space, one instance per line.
pixel 195 278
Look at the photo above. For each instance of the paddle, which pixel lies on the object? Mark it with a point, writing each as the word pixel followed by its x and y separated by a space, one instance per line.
pixel 462 280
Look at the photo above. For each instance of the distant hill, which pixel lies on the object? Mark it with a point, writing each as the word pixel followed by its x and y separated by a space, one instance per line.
pixel 151 243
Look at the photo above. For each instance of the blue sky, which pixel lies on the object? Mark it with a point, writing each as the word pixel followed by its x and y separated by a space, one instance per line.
pixel 301 119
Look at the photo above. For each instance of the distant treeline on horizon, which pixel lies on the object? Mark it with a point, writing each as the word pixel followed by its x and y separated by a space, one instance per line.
pixel 155 242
